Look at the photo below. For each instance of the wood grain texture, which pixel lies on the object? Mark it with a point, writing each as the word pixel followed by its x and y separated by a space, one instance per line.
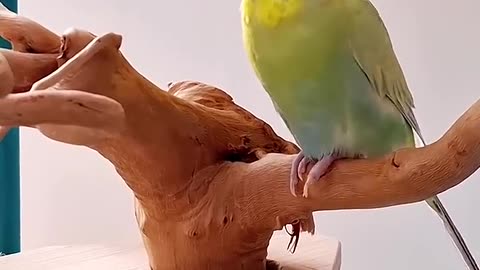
pixel 211 180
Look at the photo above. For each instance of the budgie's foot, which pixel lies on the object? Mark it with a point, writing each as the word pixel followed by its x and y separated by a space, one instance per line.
pixel 317 171
pixel 299 167
pixel 294 179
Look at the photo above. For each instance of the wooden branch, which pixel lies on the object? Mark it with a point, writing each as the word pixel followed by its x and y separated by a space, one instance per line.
pixel 27 35
pixel 25 69
pixel 40 46
pixel 19 71
pixel 210 179
pixel 406 176
pixel 62 108
pixel 7 81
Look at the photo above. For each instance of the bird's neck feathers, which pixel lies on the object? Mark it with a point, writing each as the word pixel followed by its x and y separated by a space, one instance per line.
pixel 270 13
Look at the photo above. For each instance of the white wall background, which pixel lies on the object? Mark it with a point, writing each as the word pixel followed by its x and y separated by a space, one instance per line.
pixel 71 195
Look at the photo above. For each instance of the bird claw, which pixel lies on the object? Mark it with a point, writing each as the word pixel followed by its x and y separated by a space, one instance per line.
pixel 302 167
pixel 318 170
pixel 294 176
pixel 299 167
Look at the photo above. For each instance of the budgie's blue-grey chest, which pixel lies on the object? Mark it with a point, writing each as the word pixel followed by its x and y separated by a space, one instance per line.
pixel 320 91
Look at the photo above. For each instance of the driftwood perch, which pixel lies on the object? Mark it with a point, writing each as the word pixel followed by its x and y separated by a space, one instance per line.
pixel 210 179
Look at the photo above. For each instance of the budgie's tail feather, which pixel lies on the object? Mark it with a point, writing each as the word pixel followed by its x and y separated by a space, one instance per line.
pixel 457 238
pixel 455 235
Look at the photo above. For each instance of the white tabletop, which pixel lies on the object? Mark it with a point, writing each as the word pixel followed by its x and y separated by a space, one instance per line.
pixel 313 252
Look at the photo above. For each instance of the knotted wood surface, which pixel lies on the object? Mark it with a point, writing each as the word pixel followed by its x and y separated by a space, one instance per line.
pixel 211 180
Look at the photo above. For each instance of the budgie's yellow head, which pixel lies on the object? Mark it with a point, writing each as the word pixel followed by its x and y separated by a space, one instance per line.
pixel 270 12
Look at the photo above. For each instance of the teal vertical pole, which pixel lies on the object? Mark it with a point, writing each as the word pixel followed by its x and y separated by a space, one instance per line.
pixel 9 179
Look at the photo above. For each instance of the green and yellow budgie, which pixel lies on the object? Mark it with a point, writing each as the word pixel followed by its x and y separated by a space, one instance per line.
pixel 332 74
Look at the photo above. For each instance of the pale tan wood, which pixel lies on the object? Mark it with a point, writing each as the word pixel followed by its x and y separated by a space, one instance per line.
pixel 211 180
pixel 314 253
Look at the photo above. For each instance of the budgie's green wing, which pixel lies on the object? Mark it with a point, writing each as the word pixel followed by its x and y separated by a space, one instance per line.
pixel 373 52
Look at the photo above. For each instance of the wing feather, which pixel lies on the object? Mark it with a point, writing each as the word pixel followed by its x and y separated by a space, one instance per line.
pixel 374 53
